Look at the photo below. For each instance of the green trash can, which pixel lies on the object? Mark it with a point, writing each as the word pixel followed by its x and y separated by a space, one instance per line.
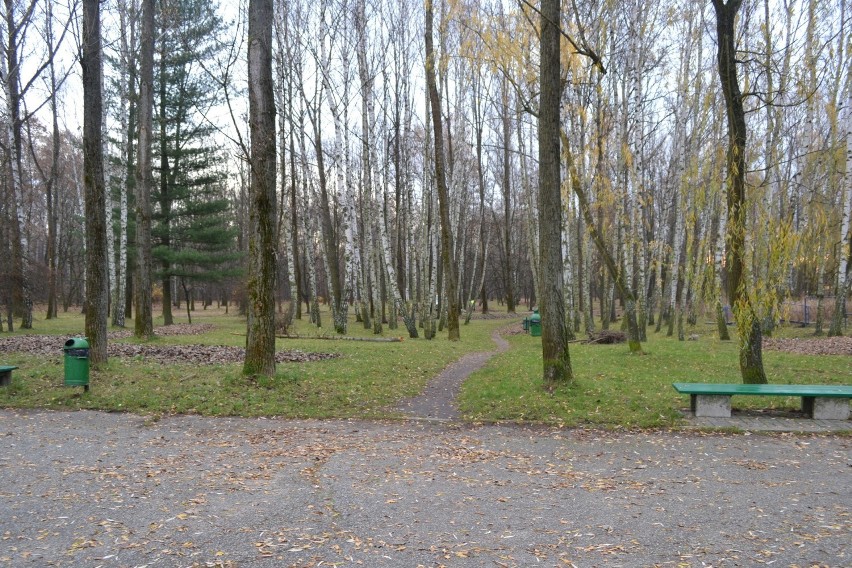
pixel 77 363
pixel 535 324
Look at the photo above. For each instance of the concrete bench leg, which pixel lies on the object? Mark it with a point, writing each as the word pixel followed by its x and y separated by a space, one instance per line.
pixel 711 405
pixel 5 378
pixel 825 408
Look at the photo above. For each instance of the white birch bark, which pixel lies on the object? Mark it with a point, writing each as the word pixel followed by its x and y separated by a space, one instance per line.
pixel 631 121
pixel 126 55
pixel 769 273
pixel 309 228
pixel 432 297
pixel 20 242
pixel 674 267
pixel 531 208
pixel 376 229
pixel 680 151
pixel 588 249
pixel 646 22
pixel 659 291
pixel 568 288
pixel 340 305
pixel 845 243
pixel 285 87
pixel 120 276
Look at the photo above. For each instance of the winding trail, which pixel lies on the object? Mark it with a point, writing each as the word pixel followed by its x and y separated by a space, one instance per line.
pixel 437 402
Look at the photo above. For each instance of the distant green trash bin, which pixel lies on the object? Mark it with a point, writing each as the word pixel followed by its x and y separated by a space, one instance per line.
pixel 535 324
pixel 77 362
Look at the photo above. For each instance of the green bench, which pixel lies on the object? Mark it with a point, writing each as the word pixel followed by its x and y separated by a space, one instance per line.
pixel 821 402
pixel 6 375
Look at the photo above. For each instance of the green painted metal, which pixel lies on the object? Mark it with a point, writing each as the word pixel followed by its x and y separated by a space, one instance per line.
pixel 826 391
pixel 535 324
pixel 6 375
pixel 77 362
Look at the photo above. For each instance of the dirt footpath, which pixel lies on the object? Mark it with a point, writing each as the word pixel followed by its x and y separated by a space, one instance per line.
pixel 98 489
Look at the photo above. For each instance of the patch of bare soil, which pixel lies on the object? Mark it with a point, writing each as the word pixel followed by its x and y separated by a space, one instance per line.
pixel 811 345
pixel 438 399
pixel 51 345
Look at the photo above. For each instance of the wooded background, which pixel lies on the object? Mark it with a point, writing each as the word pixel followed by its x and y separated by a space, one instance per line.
pixel 357 219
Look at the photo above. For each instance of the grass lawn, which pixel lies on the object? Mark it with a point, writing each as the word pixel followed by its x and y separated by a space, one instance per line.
pixel 363 382
pixel 611 389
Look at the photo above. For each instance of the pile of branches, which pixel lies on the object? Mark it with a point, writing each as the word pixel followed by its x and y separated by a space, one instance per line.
pixel 606 337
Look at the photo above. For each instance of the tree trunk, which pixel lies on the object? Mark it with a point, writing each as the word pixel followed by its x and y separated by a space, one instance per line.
pixel 165 200
pixel 50 185
pixel 506 188
pixel 286 228
pixel 719 253
pixel 751 359
pixel 123 171
pixel 845 245
pixel 617 276
pixel 121 276
pixel 144 324
pixel 531 210
pixel 441 181
pixel 129 154
pixel 554 336
pixel 338 283
pixel 10 71
pixel 260 334
pixel 97 277
pixel 296 272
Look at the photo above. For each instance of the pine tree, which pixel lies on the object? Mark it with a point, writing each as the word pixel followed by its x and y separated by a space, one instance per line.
pixel 203 241
pixel 187 32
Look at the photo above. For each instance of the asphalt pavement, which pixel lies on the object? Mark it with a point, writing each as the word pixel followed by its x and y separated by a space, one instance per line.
pixel 110 489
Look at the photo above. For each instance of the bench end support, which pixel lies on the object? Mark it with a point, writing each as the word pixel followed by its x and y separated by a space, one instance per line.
pixel 711 405
pixel 825 408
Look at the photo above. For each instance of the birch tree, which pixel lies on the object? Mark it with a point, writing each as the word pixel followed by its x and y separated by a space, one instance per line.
pixel 287 231
pixel 844 244
pixel 50 176
pixel 125 83
pixel 331 230
pixel 14 24
pixel 844 239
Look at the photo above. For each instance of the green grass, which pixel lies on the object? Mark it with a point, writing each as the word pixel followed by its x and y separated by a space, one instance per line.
pixel 611 388
pixel 363 382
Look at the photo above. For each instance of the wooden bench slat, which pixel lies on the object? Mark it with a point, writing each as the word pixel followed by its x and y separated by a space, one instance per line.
pixel 825 391
pixel 4 368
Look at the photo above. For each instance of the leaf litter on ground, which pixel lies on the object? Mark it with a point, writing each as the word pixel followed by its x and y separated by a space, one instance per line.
pixel 166 354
